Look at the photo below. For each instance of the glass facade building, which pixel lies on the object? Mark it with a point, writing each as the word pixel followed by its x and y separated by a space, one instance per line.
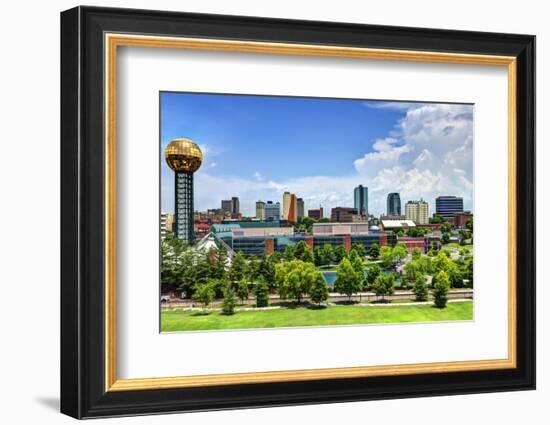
pixel 447 206
pixel 361 200
pixel 393 204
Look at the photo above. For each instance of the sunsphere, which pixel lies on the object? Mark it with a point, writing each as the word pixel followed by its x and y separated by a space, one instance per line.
pixel 183 155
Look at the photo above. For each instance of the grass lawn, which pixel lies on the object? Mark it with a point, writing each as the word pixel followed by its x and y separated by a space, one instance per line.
pixel 172 321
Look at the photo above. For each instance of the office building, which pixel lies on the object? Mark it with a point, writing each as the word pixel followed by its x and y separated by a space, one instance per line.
pixel 184 157
pixel 300 208
pixel 227 205
pixel 417 211
pixel 231 206
pixel 315 214
pixel 235 205
pixel 361 200
pixel 447 206
pixel 260 210
pixel 272 211
pixel 393 204
pixel 290 212
pixel 343 214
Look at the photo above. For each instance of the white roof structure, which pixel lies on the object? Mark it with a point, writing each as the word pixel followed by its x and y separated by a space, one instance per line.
pixel 397 224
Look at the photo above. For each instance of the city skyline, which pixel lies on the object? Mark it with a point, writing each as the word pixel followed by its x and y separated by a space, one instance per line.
pixel 254 147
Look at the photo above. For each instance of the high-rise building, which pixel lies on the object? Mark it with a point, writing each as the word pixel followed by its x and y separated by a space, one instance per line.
pixel 226 205
pixel 343 214
pixel 235 205
pixel 448 206
pixel 272 211
pixel 299 208
pixel 393 204
pixel 260 210
pixel 231 206
pixel 184 157
pixel 315 214
pixel 290 212
pixel 417 211
pixel 361 199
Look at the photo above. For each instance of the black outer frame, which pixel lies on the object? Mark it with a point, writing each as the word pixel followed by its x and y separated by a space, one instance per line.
pixel 82 207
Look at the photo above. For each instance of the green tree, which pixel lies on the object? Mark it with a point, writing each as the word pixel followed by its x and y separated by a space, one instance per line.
pixel 253 267
pixel 374 251
pixel 384 284
pixel 289 253
pixel 359 266
pixel 470 224
pixel 440 262
pixel 416 253
pixel 372 274
pixel 420 289
pixel 229 301
pixel 469 270
pixel 399 252
pixel 307 224
pixel 386 256
pixel 318 256
pixel 204 294
pixel 359 248
pixel 218 285
pixel 445 227
pixel 348 280
pixel 445 238
pixel 239 268
pixel 412 271
pixel 440 289
pixel 319 289
pixel 425 265
pixel 242 290
pixel 436 219
pixel 262 293
pixel 327 254
pixel 455 276
pixel 340 253
pixel 303 252
pixel 267 268
pixel 294 279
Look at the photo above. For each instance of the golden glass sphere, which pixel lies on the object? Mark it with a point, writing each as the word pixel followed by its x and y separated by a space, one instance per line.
pixel 183 155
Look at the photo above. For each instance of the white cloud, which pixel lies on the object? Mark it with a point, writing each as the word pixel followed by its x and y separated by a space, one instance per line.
pixel 213 164
pixel 258 176
pixel 427 154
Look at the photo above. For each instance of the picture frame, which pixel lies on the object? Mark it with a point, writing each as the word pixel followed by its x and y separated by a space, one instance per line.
pixel 90 39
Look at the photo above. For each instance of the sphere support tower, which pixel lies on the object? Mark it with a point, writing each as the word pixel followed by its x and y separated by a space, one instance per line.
pixel 184 206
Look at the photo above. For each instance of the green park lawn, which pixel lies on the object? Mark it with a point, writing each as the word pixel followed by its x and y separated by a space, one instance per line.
pixel 178 320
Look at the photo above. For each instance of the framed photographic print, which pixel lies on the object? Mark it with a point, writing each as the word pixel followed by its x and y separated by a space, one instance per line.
pixel 261 212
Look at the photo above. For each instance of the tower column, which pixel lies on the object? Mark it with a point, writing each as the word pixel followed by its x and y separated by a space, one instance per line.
pixel 184 206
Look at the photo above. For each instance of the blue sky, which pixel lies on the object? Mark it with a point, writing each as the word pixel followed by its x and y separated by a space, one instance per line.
pixel 256 147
